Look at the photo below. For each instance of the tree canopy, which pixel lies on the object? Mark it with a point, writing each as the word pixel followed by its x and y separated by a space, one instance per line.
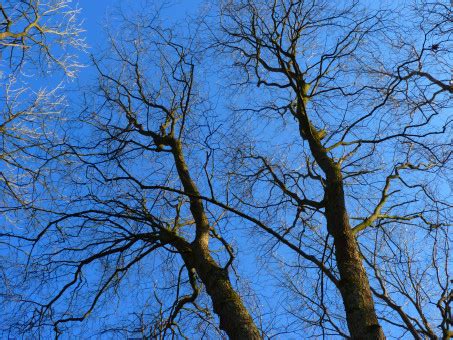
pixel 255 169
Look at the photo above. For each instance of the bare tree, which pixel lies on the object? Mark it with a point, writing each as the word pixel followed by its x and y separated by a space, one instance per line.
pixel 334 156
pixel 368 127
pixel 140 147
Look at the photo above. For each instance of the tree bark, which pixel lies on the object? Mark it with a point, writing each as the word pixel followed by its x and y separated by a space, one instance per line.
pixel 354 285
pixel 235 319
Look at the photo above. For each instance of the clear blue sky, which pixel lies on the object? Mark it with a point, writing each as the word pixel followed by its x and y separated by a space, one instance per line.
pixel 94 14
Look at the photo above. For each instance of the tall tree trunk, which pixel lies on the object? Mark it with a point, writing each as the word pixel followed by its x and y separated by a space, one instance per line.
pixel 235 320
pixel 354 285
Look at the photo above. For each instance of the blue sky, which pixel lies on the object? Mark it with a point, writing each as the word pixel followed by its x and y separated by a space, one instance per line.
pixel 95 14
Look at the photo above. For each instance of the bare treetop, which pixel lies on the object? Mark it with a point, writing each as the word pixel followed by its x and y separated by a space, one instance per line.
pixel 40 33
